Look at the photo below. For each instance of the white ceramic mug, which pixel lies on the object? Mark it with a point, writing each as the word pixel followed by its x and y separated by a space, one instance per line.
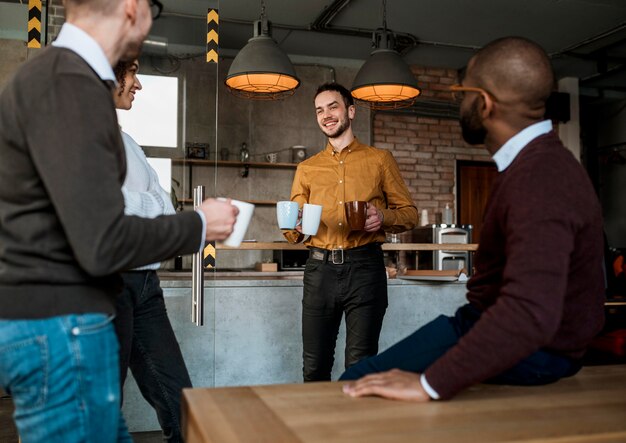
pixel 241 225
pixel 287 214
pixel 311 216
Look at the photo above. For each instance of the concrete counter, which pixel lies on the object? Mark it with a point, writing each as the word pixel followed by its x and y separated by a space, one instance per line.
pixel 182 276
pixel 252 330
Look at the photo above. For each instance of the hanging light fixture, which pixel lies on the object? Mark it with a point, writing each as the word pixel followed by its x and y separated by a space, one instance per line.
pixel 384 81
pixel 261 70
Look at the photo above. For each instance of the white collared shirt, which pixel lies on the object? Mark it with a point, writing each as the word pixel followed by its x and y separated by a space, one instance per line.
pixel 77 40
pixel 507 153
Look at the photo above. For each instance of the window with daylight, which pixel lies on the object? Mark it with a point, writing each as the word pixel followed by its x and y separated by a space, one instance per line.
pixel 153 119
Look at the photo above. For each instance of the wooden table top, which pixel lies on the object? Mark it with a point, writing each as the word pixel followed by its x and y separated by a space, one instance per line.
pixel 590 407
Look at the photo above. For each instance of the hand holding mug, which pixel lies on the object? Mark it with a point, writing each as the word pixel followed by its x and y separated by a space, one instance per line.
pixel 220 216
pixel 245 211
pixel 299 222
pixel 374 220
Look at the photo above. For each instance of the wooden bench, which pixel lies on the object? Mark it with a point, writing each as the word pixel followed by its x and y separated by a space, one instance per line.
pixel 589 407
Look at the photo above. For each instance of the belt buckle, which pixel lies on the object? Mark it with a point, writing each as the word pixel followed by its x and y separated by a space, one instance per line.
pixel 333 256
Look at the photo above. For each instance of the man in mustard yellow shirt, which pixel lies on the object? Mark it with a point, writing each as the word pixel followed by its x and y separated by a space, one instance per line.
pixel 345 271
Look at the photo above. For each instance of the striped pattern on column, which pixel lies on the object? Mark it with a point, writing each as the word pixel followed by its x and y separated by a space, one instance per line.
pixel 34 23
pixel 209 255
pixel 212 35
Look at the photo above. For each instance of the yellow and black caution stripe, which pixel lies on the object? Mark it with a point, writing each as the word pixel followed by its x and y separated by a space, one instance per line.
pixel 34 23
pixel 209 255
pixel 212 35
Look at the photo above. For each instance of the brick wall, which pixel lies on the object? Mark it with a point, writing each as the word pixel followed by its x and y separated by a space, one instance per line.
pixel 427 148
pixel 56 17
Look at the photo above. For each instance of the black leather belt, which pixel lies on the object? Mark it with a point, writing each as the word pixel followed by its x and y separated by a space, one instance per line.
pixel 341 256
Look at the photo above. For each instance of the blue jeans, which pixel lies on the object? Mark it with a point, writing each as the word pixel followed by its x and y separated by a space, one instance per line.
pixel 149 347
pixel 419 350
pixel 62 373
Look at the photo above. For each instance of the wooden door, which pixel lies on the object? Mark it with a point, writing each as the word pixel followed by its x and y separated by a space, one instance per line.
pixel 474 181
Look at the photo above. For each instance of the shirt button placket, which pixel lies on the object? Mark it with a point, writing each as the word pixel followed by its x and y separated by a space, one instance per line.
pixel 342 197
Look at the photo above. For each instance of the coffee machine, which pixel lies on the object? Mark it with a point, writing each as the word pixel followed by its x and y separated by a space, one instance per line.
pixel 443 260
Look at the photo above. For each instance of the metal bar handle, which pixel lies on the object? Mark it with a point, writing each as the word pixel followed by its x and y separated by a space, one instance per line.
pixel 197 271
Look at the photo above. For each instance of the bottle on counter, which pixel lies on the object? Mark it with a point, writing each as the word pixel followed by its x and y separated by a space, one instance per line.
pixel 424 218
pixel 447 215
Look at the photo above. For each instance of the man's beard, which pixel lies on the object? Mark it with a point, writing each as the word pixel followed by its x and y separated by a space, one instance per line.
pixel 344 124
pixel 472 128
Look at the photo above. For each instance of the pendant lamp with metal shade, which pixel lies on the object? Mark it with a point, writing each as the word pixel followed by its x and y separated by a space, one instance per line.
pixel 385 81
pixel 261 70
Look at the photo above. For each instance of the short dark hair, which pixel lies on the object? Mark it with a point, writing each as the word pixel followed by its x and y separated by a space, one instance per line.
pixel 515 65
pixel 347 97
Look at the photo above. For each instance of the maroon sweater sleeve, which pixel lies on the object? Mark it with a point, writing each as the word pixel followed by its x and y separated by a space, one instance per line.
pixel 538 274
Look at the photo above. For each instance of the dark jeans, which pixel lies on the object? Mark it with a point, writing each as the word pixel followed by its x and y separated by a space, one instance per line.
pixel 419 350
pixel 357 287
pixel 149 347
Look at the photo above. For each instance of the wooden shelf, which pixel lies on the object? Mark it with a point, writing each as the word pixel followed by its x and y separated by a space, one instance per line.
pixel 189 162
pixel 261 246
pixel 233 164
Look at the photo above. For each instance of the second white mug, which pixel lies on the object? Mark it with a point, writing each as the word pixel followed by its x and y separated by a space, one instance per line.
pixel 311 216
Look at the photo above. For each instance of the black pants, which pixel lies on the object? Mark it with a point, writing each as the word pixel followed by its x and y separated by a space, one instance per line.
pixel 149 347
pixel 357 287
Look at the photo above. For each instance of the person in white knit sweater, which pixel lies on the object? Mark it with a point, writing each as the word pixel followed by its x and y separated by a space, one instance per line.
pixel 148 345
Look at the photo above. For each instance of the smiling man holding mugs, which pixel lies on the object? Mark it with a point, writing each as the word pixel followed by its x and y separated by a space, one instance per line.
pixel 345 272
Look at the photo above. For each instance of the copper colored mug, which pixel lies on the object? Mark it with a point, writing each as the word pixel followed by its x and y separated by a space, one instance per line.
pixel 356 213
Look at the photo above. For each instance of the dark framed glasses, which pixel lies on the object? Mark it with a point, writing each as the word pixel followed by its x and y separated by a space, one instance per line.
pixel 458 92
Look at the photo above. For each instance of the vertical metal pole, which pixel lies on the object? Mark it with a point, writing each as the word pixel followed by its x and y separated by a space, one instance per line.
pixel 197 272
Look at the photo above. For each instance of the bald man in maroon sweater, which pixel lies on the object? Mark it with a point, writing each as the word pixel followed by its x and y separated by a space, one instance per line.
pixel 536 298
